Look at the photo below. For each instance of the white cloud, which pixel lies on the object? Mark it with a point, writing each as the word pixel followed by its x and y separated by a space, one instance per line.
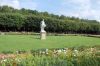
pixel 29 4
pixel 12 3
pixel 83 9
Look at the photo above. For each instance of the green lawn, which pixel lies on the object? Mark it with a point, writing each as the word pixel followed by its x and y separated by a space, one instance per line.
pixel 28 42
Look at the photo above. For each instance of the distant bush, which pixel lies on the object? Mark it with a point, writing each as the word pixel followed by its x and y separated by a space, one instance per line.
pixel 7 52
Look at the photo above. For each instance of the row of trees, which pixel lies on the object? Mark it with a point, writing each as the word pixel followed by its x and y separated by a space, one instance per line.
pixel 29 20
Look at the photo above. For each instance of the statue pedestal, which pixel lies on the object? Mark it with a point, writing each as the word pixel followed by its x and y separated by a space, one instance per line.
pixel 43 35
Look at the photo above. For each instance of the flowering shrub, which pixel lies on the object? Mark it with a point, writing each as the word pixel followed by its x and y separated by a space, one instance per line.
pixel 54 57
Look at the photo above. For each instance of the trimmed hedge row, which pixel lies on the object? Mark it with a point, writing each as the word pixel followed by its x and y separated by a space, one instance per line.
pixel 18 22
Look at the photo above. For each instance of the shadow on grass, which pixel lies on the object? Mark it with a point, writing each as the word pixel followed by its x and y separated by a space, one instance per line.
pixel 93 36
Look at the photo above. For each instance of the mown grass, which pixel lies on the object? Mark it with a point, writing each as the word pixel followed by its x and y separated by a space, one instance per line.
pixel 28 42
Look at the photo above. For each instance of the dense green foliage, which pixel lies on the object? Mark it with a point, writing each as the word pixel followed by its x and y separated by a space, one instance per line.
pixel 29 20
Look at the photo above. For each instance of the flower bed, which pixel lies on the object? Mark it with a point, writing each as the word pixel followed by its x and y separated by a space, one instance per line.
pixel 54 57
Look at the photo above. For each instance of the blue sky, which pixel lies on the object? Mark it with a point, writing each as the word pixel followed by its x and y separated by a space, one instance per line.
pixel 88 9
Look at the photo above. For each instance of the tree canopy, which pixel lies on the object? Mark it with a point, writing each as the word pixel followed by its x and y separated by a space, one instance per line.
pixel 29 20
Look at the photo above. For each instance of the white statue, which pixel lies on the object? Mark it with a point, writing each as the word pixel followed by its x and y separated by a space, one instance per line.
pixel 43 25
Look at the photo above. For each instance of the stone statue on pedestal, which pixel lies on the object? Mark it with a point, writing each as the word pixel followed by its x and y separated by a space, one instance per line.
pixel 42 32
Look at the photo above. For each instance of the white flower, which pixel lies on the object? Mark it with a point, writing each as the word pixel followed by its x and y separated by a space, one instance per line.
pixel 76 51
pixel 74 55
pixel 59 51
pixel 4 60
pixel 64 50
pixel 18 59
pixel 47 53
pixel 46 50
pixel 43 52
